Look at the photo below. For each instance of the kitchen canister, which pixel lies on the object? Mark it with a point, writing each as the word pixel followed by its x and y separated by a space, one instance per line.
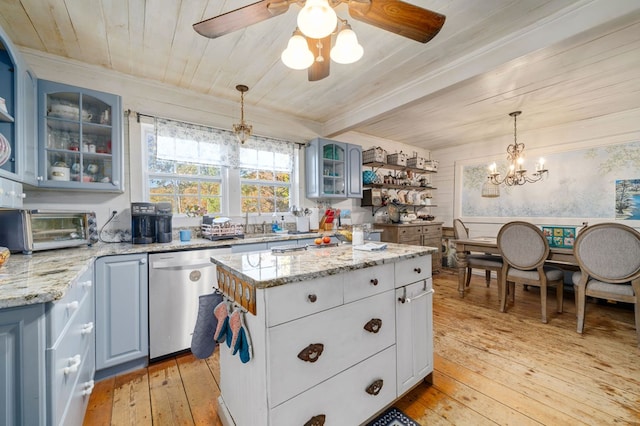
pixel 357 235
pixel 302 223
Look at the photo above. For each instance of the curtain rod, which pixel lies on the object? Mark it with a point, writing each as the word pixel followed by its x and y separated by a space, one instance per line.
pixel 140 114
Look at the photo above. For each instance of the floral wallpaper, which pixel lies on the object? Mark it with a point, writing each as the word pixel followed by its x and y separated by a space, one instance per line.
pixel 580 184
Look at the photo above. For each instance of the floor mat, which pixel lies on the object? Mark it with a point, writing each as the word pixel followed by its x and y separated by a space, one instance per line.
pixel 393 417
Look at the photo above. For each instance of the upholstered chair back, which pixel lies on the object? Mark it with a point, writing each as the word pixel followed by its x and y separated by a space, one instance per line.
pixel 523 245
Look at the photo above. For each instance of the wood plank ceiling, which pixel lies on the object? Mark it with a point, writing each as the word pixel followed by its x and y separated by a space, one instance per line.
pixel 558 60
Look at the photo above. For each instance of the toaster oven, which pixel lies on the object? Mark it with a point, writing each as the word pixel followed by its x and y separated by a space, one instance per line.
pixel 26 231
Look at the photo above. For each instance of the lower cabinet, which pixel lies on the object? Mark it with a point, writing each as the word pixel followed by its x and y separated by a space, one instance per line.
pixel 329 350
pixel 22 337
pixel 122 331
pixel 429 235
pixel 70 353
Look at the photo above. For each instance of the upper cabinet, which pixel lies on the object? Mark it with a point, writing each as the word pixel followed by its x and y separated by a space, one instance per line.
pixel 333 169
pixel 80 138
pixel 17 113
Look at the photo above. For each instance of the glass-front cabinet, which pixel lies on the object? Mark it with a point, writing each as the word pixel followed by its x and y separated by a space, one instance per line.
pixel 80 134
pixel 333 169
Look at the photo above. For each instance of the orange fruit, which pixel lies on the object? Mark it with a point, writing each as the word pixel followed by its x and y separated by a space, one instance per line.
pixel 318 241
pixel 326 240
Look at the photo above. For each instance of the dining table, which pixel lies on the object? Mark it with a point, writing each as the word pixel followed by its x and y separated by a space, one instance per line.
pixel 489 245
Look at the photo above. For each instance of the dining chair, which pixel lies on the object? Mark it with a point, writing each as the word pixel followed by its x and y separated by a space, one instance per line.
pixel 487 262
pixel 524 250
pixel 609 258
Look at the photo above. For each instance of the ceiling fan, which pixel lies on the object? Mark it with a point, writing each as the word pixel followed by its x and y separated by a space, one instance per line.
pixel 396 16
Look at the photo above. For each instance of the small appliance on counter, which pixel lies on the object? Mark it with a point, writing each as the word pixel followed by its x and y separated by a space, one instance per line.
pixel 163 222
pixel 143 223
pixel 32 230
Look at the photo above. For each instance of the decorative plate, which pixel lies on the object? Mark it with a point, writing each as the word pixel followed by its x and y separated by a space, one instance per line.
pixel 5 149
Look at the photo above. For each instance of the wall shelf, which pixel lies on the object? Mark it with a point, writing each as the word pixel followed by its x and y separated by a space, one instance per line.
pixel 379 165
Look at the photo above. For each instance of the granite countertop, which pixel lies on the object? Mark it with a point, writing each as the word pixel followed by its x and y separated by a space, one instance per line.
pixel 44 276
pixel 265 269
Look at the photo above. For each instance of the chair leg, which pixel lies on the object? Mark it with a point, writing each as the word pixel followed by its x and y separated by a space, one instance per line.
pixel 512 292
pixel 636 309
pixel 468 277
pixel 487 276
pixel 560 296
pixel 543 300
pixel 502 282
pixel 581 302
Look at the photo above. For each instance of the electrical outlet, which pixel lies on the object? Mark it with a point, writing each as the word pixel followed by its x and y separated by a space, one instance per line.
pixel 114 213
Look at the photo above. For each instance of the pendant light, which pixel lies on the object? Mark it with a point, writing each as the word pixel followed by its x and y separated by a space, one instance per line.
pixel 242 130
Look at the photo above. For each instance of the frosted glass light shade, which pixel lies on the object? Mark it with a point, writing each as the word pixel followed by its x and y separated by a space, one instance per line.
pixel 317 19
pixel 297 55
pixel 347 50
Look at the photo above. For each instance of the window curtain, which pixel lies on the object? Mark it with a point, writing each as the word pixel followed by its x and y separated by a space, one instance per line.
pixel 192 143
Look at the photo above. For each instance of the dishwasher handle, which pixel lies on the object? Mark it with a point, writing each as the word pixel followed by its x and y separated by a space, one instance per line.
pixel 186 264
pixel 405 299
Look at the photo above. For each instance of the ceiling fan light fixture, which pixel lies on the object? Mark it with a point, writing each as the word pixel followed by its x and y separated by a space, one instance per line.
pixel 317 19
pixel 347 50
pixel 297 55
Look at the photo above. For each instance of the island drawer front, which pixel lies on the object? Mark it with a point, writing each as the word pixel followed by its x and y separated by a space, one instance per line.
pixel 61 311
pixel 65 360
pixel 367 282
pixel 343 398
pixel 296 300
pixel 412 270
pixel 343 336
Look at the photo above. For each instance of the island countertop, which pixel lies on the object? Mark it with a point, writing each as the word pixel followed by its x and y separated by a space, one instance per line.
pixel 266 269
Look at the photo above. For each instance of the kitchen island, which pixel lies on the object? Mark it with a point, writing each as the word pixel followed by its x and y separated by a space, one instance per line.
pixel 337 334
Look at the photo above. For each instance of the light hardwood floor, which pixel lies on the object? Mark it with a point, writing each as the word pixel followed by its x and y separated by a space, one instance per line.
pixel 490 368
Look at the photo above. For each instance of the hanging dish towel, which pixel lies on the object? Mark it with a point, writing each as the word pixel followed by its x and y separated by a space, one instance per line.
pixel 243 342
pixel 202 342
pixel 221 312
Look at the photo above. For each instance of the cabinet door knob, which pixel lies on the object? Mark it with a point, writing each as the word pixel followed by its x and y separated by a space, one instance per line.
pixel 418 270
pixel 374 325
pixel 316 420
pixel 375 387
pixel 374 281
pixel 312 352
pixel 312 298
pixel 143 261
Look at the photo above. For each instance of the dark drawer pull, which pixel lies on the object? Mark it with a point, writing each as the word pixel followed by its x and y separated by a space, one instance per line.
pixel 312 352
pixel 312 298
pixel 418 270
pixel 374 325
pixel 316 420
pixel 375 387
pixel 374 281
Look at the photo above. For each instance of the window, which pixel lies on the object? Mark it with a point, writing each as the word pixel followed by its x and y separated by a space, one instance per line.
pixel 194 166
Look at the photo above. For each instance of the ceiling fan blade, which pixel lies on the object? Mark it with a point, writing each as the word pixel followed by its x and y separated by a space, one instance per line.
pixel 240 18
pixel 399 17
pixel 320 49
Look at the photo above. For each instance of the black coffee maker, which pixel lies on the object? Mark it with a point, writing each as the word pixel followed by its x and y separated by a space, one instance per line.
pixel 143 223
pixel 163 222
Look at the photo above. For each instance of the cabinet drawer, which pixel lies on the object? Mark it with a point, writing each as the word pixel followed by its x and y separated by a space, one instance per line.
pixel 343 399
pixel 367 282
pixel 290 301
pixel 79 399
pixel 61 311
pixel 408 233
pixel 344 339
pixel 412 270
pixel 432 231
pixel 65 359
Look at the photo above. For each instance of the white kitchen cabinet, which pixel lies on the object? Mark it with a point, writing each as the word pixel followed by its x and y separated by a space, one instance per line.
pixel 80 138
pixel 122 332
pixel 322 347
pixel 414 336
pixel 333 170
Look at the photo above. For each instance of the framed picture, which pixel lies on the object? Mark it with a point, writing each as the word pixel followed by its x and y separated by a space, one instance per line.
pixel 560 236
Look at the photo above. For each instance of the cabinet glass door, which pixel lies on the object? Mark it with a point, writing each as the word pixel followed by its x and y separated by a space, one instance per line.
pixel 78 138
pixel 333 169
pixel 7 111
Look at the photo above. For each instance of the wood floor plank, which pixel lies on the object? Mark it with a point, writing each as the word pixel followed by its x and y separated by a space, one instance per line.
pixel 201 389
pixel 131 399
pixel 100 404
pixel 169 403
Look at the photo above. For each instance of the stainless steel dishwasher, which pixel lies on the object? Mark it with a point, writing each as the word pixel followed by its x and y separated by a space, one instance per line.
pixel 176 281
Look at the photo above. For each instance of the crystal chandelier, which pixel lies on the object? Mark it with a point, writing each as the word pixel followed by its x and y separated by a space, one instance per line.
pixel 318 20
pixel 517 174
pixel 242 130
